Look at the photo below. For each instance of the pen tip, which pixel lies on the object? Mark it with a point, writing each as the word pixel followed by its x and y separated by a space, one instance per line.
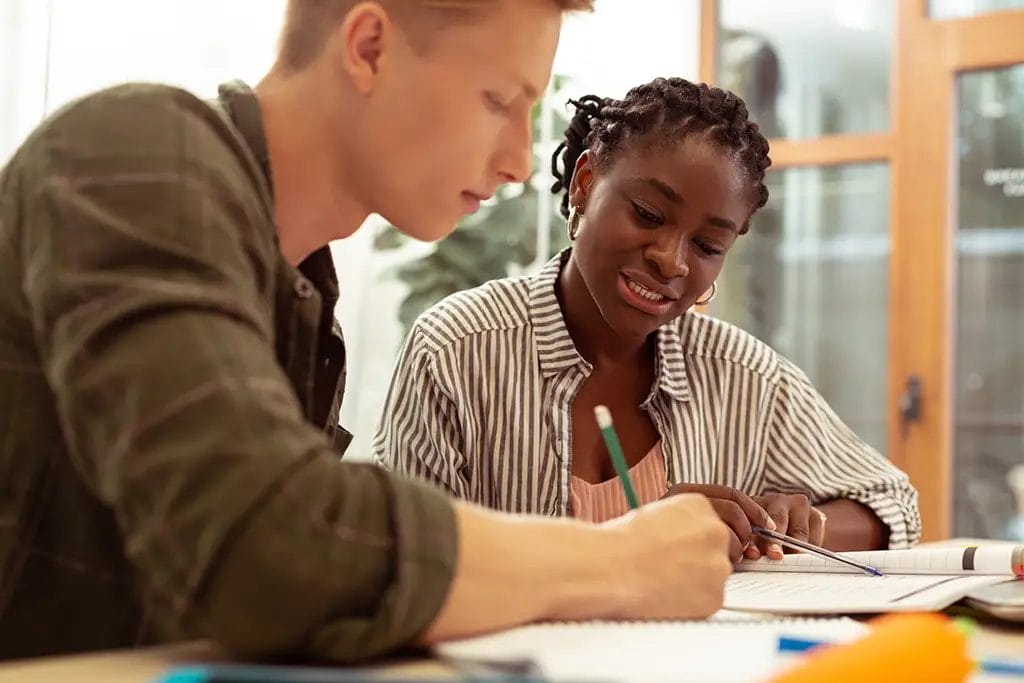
pixel 604 417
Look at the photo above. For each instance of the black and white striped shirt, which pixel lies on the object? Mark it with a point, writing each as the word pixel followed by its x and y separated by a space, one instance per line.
pixel 481 401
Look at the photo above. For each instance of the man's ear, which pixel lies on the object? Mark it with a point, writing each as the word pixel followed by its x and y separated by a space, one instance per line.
pixel 582 177
pixel 361 42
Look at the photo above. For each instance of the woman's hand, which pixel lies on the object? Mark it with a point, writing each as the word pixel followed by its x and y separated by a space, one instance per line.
pixel 738 510
pixel 794 516
pixel 790 514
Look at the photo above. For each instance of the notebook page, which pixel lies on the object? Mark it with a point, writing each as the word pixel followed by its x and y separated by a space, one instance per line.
pixel 814 593
pixel 992 560
pixel 652 651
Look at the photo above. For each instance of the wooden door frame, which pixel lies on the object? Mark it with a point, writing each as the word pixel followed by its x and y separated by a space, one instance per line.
pixel 930 53
pixel 927 55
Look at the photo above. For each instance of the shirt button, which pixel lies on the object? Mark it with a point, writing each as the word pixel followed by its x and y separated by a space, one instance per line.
pixel 303 288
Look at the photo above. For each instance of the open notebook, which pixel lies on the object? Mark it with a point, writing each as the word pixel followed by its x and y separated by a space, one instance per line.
pixel 729 647
pixel 925 579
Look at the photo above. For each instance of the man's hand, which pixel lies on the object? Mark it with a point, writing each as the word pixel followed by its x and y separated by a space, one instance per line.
pixel 666 560
pixel 675 564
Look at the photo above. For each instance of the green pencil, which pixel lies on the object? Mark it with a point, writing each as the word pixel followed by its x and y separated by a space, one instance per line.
pixel 611 440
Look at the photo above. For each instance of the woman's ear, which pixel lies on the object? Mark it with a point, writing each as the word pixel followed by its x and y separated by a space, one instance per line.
pixel 582 177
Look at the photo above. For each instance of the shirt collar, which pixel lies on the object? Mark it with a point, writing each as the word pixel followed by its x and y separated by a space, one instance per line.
pixel 557 352
pixel 318 267
pixel 240 103
pixel 555 348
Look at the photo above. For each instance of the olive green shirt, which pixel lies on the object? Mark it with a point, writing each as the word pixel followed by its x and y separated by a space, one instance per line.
pixel 166 382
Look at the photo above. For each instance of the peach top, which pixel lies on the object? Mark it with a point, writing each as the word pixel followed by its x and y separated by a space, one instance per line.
pixel 606 500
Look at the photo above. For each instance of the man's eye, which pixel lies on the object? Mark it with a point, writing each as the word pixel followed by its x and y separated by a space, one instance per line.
pixel 495 103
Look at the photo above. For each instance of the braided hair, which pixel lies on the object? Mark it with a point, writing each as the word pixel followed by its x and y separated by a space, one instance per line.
pixel 671 109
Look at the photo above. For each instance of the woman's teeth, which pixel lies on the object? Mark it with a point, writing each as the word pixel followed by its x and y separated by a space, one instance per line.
pixel 644 292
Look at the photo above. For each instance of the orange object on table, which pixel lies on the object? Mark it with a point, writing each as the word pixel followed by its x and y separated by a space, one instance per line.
pixel 899 647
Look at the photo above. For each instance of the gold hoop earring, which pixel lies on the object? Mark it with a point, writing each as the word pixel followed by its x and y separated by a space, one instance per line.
pixel 714 291
pixel 573 223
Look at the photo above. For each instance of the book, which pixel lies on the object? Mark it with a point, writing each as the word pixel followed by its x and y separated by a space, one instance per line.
pixel 914 580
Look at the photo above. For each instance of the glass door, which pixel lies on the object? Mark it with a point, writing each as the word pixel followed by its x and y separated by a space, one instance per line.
pixel 957 282
pixel 989 253
pixel 811 278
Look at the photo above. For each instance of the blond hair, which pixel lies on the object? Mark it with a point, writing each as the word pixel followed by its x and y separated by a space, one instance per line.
pixel 308 23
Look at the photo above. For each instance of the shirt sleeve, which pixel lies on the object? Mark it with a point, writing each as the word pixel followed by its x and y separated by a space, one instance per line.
pixel 811 450
pixel 148 291
pixel 418 434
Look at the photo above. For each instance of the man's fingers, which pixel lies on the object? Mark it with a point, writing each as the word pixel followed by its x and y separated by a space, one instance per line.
pixel 735 549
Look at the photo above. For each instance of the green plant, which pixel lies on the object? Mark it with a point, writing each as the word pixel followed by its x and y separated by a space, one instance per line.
pixel 502 233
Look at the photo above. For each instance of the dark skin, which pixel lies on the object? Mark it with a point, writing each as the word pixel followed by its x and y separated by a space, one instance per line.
pixel 656 224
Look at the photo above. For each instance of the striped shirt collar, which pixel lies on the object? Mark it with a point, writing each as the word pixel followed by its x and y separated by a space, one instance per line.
pixel 557 352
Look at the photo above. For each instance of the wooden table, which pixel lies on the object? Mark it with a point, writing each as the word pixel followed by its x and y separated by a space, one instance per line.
pixel 142 666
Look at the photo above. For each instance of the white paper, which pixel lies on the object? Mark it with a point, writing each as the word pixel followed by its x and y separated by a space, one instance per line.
pixel 990 559
pixel 729 647
pixel 827 593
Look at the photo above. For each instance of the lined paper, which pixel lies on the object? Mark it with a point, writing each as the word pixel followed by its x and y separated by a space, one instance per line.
pixel 652 651
pixel 989 560
pixel 840 593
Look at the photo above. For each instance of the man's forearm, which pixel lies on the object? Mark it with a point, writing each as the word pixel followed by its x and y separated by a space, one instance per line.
pixel 514 570
pixel 665 560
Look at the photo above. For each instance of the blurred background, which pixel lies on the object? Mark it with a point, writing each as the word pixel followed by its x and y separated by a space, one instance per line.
pixel 888 263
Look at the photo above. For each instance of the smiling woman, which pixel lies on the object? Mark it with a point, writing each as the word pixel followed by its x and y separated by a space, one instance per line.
pixel 494 393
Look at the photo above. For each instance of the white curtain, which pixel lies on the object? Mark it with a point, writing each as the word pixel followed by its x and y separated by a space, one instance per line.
pixel 627 42
pixel 192 43
pixel 52 51
pixel 24 33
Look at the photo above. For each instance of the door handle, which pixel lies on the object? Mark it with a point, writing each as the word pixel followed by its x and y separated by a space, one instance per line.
pixel 910 404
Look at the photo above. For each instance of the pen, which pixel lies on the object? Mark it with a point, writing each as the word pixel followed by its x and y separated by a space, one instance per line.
pixel 988 666
pixel 611 440
pixel 797 544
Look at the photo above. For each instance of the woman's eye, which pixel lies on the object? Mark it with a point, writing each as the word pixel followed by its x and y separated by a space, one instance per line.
pixel 495 103
pixel 708 249
pixel 647 215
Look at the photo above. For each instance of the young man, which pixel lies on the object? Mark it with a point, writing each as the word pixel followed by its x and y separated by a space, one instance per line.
pixel 167 373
